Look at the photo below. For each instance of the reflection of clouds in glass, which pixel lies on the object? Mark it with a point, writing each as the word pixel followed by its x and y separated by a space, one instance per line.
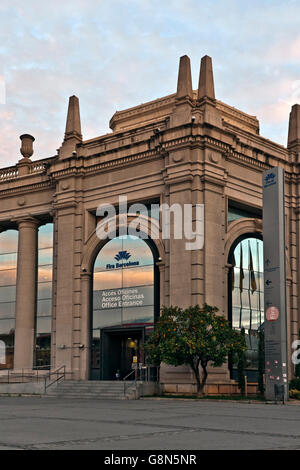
pixel 9 241
pixel 141 275
pixel 123 278
pixel 8 275
pixel 107 280
pixel 8 278
pixel 44 287
pixel 45 236
pixel 45 273
pixel 138 276
pixel 256 247
pixel 248 307
pixel 8 261
pixel 137 248
pixel 45 256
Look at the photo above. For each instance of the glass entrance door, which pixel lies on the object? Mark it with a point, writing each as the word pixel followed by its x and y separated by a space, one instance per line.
pixel 119 350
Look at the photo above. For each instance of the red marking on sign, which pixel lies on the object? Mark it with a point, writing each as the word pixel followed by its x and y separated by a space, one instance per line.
pixel 272 313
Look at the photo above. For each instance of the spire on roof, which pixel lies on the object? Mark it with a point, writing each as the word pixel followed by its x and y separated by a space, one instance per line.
pixel 73 134
pixel 206 87
pixel 184 82
pixel 294 127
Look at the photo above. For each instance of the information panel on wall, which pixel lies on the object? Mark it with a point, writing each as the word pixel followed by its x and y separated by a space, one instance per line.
pixel 276 367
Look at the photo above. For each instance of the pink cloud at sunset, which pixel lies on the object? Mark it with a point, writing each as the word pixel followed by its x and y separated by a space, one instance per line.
pixel 114 55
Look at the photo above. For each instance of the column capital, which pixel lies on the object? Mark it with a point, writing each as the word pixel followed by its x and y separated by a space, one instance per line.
pixel 26 220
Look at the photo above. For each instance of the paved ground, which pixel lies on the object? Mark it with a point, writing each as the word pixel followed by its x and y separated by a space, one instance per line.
pixel 51 423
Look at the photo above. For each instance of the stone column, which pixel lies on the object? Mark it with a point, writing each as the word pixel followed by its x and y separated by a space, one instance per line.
pixel 85 353
pixel 26 293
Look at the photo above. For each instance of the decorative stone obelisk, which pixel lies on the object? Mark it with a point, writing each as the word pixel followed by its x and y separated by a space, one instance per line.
pixel 206 93
pixel 184 95
pixel 73 134
pixel 293 142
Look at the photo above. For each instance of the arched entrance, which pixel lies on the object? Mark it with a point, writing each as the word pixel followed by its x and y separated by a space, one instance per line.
pixel 246 296
pixel 125 303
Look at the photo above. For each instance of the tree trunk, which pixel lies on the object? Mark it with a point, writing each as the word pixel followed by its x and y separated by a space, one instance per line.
pixel 204 377
pixel 200 385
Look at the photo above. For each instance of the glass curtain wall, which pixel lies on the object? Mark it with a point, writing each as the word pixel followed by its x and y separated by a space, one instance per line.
pixel 123 289
pixel 248 294
pixel 8 278
pixel 44 296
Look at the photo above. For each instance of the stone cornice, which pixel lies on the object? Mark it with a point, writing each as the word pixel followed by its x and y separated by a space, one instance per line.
pixel 217 181
pixel 83 165
pixel 99 167
pixel 58 205
pixel 21 189
pixel 142 110
pixel 178 179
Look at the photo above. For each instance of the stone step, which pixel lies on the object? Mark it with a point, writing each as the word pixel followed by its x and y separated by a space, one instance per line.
pixel 89 397
pixel 96 389
pixel 91 389
pixel 95 384
pixel 87 394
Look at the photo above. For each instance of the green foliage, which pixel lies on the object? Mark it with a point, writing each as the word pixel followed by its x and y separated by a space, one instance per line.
pixel 241 365
pixel 294 384
pixel 194 336
pixel 294 394
pixel 261 362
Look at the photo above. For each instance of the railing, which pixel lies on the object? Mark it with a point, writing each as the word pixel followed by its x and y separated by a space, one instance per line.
pixel 22 376
pixel 144 373
pixel 59 374
pixel 12 172
pixel 125 380
pixel 8 173
pixel 38 374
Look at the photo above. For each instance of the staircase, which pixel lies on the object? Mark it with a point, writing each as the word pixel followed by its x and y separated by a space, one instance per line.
pixel 93 390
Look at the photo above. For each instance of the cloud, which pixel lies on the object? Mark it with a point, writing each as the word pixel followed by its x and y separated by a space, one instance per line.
pixel 115 54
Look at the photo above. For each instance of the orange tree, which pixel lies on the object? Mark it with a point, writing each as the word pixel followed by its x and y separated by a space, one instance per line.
pixel 194 336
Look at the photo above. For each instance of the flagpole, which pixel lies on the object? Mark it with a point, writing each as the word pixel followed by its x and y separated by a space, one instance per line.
pixel 241 283
pixel 249 293
pixel 259 304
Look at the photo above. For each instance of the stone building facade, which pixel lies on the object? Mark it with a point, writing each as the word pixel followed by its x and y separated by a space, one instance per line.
pixel 185 148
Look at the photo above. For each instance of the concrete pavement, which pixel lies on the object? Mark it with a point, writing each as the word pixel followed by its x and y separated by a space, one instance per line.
pixel 166 424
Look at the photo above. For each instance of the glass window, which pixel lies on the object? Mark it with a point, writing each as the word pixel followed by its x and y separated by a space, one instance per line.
pixel 8 261
pixel 7 293
pixel 247 294
pixel 142 276
pixel 45 273
pixel 9 242
pixel 123 288
pixel 235 213
pixel 44 296
pixel 8 276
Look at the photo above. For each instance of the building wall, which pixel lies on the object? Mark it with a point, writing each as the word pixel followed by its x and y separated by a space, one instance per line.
pixel 187 148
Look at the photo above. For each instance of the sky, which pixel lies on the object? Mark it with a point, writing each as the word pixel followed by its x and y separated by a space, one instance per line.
pixel 114 54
